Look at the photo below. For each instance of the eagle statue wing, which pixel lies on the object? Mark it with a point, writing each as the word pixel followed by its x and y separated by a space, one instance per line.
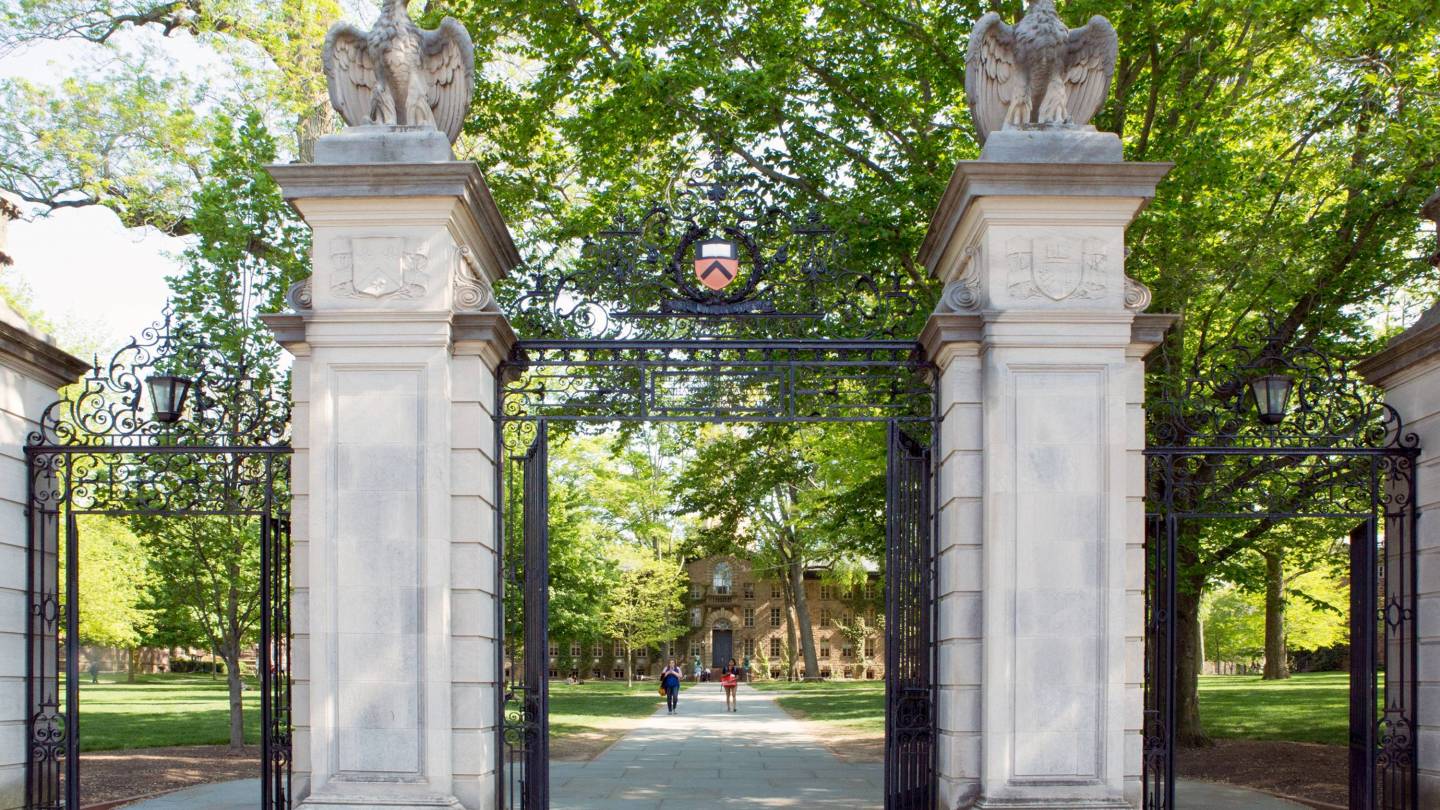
pixel 992 79
pixel 450 64
pixel 1089 65
pixel 349 73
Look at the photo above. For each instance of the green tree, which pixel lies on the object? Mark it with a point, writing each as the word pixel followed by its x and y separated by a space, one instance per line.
pixel 213 562
pixel 115 577
pixel 646 606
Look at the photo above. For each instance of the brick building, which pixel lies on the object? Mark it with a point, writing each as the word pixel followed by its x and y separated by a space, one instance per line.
pixel 735 611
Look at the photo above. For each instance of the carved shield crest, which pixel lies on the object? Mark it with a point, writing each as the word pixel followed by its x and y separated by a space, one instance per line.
pixel 1054 267
pixel 379 265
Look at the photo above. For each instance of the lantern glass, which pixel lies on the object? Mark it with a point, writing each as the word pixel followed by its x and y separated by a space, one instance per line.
pixel 1272 397
pixel 167 396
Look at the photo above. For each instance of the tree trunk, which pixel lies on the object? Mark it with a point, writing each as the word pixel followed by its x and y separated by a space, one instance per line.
pixel 1189 731
pixel 1277 660
pixel 802 617
pixel 629 663
pixel 237 696
pixel 790 645
pixel 132 664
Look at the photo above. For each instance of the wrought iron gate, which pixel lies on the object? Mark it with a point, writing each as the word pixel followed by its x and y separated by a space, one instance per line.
pixel 909 612
pixel 526 724
pixel 1325 452
pixel 772 326
pixel 106 450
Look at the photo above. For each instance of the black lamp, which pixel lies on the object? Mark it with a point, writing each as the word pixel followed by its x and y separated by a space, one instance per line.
pixel 1272 397
pixel 167 396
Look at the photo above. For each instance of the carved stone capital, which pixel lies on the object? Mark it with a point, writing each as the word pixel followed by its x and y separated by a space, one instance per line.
pixel 1137 295
pixel 962 294
pixel 472 292
pixel 301 295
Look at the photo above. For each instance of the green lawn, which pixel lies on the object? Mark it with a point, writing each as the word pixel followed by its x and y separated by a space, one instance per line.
pixel 166 710
pixel 1309 707
pixel 161 710
pixel 857 705
pixel 588 706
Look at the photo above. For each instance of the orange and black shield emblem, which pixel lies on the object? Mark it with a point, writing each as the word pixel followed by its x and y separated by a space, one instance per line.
pixel 717 261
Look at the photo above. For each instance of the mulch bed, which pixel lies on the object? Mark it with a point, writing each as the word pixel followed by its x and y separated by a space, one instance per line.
pixel 1304 771
pixel 108 776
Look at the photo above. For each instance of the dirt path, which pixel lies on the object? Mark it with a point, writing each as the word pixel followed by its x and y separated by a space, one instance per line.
pixel 106 776
pixel 1305 771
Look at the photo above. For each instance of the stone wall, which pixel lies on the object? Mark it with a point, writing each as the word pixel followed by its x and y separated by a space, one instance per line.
pixel 31 369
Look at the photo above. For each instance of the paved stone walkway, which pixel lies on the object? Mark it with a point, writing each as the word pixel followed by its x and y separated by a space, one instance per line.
pixel 704 756
pixel 1191 794
pixel 241 794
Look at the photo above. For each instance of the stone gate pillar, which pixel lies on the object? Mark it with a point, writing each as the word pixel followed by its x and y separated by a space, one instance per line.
pixel 1040 342
pixel 1409 371
pixel 396 341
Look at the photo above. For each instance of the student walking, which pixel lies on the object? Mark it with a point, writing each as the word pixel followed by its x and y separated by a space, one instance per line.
pixel 670 682
pixel 730 679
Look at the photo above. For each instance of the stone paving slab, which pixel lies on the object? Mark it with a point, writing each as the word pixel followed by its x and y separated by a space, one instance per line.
pixel 758 757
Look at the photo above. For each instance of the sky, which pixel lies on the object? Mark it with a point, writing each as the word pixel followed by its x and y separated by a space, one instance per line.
pixel 96 280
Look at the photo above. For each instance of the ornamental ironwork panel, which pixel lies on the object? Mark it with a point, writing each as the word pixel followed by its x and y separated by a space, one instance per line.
pixel 101 449
pixel 796 381
pixel 723 255
pixel 909 644
pixel 525 556
pixel 1221 468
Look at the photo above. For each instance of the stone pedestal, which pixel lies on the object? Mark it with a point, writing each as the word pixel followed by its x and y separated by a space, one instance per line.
pixel 1041 516
pixel 31 369
pixel 396 342
pixel 1409 371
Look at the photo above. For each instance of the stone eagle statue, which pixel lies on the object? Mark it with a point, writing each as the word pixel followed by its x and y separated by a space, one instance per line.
pixel 400 75
pixel 1038 72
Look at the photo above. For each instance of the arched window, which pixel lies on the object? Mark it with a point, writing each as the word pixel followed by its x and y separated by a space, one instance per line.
pixel 722 578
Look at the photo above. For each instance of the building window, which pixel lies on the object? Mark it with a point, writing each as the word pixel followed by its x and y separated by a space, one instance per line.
pixel 774 617
pixel 824 617
pixel 695 649
pixel 826 592
pixel 619 674
pixel 720 581
pixel 642 654
pixel 554 649
pixel 749 589
pixel 774 648
pixel 749 647
pixel 574 649
pixel 619 649
pixel 847 651
pixel 869 648
pixel 696 618
pixel 695 592
pixel 775 590
pixel 749 617
pixel 824 649
pixel 598 650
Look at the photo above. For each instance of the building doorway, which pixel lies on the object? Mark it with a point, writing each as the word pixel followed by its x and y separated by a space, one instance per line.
pixel 722 644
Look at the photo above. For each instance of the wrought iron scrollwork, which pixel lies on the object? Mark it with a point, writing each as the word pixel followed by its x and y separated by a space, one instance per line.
pixel 229 405
pixel 792 277
pixel 1331 405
